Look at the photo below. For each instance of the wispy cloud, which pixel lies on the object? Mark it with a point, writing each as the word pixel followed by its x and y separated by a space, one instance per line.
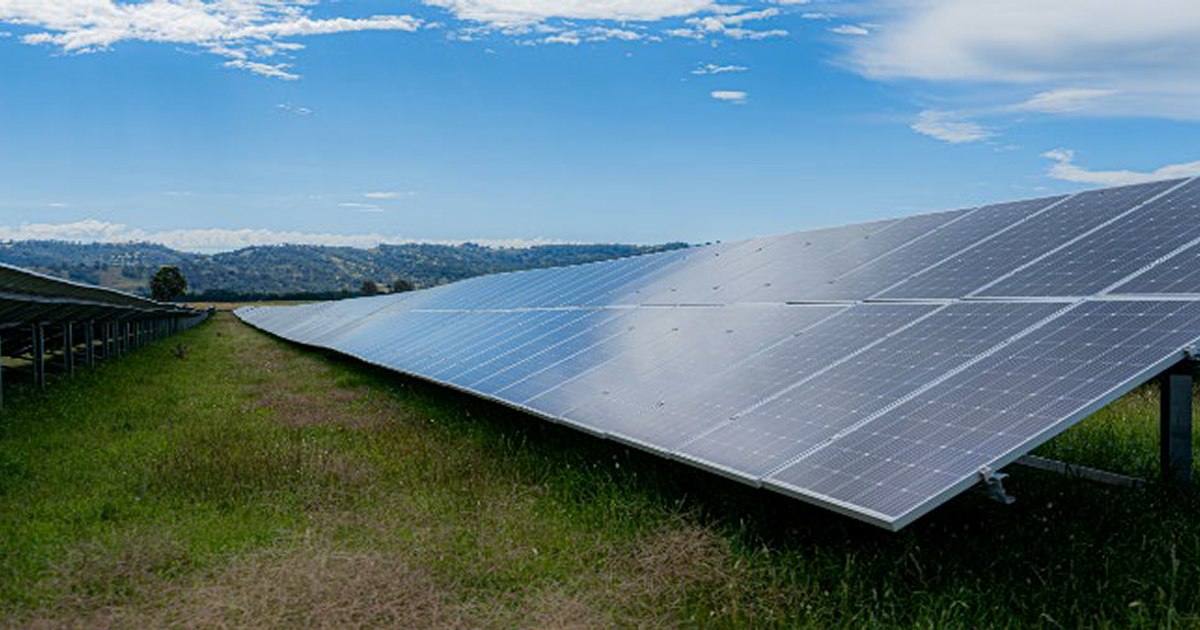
pixel 243 31
pixel 294 109
pixel 387 194
pixel 361 207
pixel 1105 57
pixel 217 240
pixel 258 36
pixel 712 68
pixel 525 12
pixel 1064 168
pixel 850 29
pixel 731 96
pixel 1065 100
pixel 949 127
pixel 731 23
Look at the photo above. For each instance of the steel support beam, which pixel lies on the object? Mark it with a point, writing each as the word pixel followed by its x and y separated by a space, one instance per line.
pixel 1175 422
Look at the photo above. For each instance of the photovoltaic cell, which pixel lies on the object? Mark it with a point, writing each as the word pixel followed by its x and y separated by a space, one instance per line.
pixel 960 275
pixel 1000 408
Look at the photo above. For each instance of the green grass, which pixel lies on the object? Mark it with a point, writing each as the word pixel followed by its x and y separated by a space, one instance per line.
pixel 255 484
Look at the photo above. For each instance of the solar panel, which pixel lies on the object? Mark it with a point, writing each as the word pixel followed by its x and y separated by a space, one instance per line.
pixel 1020 243
pixel 669 391
pixel 973 229
pixel 904 461
pixel 1113 252
pixel 802 416
pixel 1177 274
pixel 873 369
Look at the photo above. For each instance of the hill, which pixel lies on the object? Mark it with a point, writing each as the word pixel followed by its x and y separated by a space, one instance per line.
pixel 296 269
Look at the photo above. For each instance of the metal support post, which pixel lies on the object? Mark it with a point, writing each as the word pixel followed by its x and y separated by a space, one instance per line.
pixel 89 335
pixel 69 348
pixel 39 356
pixel 1175 422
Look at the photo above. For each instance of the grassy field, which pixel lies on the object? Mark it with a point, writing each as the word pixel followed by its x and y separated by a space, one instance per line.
pixel 255 484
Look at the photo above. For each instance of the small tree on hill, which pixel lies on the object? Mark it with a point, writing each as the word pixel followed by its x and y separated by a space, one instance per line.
pixel 400 285
pixel 369 288
pixel 167 284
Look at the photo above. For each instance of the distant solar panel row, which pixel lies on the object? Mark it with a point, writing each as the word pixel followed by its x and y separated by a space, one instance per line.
pixel 874 369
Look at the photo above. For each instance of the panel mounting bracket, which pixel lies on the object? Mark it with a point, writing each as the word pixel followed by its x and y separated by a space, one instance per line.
pixel 993 483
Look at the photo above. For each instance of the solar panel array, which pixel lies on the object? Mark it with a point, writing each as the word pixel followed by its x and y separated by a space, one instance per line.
pixel 875 369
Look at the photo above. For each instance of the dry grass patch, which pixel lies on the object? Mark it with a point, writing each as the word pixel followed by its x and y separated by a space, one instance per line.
pixel 309 587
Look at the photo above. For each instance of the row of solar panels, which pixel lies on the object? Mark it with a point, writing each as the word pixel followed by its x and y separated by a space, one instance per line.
pixel 875 369
pixel 27 298
pixel 1057 246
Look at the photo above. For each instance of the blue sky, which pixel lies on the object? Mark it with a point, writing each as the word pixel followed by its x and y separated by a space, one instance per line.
pixel 213 124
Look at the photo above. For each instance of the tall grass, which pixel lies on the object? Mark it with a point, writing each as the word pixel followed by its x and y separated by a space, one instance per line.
pixel 255 484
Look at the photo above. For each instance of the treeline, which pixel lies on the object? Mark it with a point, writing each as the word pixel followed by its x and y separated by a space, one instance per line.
pixel 297 270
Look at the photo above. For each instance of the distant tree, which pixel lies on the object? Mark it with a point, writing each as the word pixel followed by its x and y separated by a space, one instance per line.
pixel 167 284
pixel 400 285
pixel 369 288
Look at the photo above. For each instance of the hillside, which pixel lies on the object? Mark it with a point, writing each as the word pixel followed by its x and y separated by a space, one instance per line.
pixel 292 269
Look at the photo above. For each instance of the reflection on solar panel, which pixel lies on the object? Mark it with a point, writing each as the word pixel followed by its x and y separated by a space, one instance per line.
pixel 875 369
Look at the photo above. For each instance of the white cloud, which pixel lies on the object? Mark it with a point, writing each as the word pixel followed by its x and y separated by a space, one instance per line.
pixel 729 22
pixel 576 36
pixel 850 29
pixel 294 109
pixel 361 207
pixel 252 34
pixel 272 70
pixel 523 12
pixel 386 195
pixel 712 68
pixel 240 30
pixel 731 96
pixel 1064 100
pixel 1064 168
pixel 217 240
pixel 949 127
pixel 1142 53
